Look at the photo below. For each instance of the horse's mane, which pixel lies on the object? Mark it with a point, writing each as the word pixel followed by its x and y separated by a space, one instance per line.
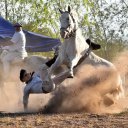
pixel 75 16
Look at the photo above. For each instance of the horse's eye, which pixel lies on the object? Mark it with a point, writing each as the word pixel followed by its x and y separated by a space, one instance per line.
pixel 67 19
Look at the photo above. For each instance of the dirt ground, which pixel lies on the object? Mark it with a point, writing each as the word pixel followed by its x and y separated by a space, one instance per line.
pixel 114 118
pixel 72 120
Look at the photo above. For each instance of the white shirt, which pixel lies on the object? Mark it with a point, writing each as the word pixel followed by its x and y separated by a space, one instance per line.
pixel 19 41
pixel 34 86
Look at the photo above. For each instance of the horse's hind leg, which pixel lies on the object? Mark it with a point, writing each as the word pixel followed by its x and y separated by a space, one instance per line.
pixel 118 92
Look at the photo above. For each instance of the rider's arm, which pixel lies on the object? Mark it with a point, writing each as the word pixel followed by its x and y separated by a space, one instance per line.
pixel 25 99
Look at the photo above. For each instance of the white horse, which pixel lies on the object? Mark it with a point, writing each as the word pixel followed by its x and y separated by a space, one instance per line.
pixel 74 49
pixel 74 45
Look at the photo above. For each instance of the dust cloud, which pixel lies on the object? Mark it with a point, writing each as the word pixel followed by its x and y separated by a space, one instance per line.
pixel 83 93
pixel 121 62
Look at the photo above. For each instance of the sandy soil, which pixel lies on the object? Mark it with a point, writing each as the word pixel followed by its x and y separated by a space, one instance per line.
pixel 72 120
pixel 113 118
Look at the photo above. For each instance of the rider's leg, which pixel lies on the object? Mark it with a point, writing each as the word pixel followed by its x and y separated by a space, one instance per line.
pixel 43 72
pixel 48 86
pixel 60 78
pixel 57 63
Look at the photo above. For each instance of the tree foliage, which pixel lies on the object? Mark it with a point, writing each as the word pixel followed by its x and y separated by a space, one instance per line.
pixel 104 22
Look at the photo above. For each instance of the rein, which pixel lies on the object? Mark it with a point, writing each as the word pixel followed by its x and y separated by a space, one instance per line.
pixel 83 57
pixel 72 33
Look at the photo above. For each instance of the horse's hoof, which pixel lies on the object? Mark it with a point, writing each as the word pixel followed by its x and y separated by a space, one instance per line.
pixel 70 76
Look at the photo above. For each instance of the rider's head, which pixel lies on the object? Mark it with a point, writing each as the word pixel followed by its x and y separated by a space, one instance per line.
pixel 24 76
pixel 17 26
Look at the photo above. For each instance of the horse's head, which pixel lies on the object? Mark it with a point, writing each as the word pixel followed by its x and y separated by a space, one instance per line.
pixel 68 21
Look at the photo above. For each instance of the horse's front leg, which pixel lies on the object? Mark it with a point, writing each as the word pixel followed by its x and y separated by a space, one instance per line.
pixel 72 64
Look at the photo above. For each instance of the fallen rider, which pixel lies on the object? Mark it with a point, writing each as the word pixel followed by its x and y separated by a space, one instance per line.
pixel 35 85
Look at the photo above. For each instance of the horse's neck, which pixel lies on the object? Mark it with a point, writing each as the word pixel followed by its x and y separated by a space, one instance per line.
pixel 96 60
pixel 76 42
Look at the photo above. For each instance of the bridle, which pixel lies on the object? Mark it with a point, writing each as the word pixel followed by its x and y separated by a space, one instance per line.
pixel 72 33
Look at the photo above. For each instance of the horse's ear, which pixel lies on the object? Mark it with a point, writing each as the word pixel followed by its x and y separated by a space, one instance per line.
pixel 69 9
pixel 61 11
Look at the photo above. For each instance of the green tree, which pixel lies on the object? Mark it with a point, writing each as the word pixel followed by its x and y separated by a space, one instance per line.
pixel 96 19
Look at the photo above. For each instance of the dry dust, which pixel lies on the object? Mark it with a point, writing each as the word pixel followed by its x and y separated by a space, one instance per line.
pixel 85 93
pixel 82 93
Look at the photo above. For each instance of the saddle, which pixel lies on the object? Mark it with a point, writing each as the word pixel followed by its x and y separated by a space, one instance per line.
pixel 93 45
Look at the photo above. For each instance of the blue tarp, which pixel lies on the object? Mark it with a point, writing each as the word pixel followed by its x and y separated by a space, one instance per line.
pixel 34 42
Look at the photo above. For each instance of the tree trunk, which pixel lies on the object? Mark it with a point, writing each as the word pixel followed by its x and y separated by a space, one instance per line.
pixel 6 10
